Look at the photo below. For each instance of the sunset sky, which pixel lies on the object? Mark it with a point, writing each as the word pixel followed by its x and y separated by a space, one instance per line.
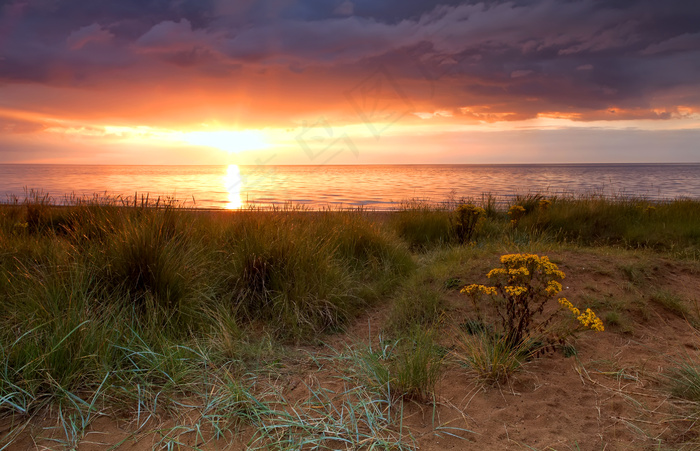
pixel 349 82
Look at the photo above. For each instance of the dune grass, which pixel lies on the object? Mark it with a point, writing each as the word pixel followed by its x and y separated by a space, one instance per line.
pixel 684 380
pixel 99 299
pixel 423 226
pixel 122 306
pixel 407 367
pixel 632 222
pixel 489 357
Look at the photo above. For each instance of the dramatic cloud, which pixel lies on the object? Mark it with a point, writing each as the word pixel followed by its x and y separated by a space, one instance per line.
pixel 91 33
pixel 278 63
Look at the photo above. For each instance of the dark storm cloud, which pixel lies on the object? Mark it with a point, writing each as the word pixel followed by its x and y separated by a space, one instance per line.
pixel 521 58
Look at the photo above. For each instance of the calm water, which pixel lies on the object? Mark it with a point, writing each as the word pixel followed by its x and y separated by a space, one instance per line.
pixel 380 187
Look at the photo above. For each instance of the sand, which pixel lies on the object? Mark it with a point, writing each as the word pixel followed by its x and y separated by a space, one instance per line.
pixel 612 395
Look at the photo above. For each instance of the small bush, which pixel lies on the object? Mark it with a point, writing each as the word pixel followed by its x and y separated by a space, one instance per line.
pixel 467 219
pixel 516 213
pixel 286 276
pixel 613 318
pixel 418 367
pixel 524 285
pixel 303 274
pixel 530 202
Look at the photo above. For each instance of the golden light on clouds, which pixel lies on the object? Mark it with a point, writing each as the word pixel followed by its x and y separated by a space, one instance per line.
pixel 228 140
pixel 297 82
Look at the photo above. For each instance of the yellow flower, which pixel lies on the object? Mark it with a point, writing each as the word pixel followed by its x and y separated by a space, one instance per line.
pixel 532 261
pixel 553 287
pixel 516 210
pixel 522 271
pixel 590 320
pixel 565 303
pixel 475 289
pixel 514 291
pixel 470 209
pixel 587 319
pixel 496 272
pixel 469 289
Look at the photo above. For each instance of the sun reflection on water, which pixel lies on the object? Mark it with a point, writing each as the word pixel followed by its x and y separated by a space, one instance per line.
pixel 233 183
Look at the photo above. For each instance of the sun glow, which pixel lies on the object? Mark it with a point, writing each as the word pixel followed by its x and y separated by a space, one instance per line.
pixel 230 141
pixel 233 183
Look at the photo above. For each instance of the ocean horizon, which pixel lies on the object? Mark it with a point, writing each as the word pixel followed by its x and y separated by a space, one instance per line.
pixel 346 186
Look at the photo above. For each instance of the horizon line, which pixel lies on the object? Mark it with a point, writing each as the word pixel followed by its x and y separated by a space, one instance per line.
pixel 370 164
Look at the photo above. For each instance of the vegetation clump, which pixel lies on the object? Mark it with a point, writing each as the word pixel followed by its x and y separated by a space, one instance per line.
pixel 467 219
pixel 523 287
pixel 516 213
pixel 405 368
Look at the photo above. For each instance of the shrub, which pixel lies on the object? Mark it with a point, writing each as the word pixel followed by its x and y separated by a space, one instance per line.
pixel 523 286
pixel 516 213
pixel 149 261
pixel 418 367
pixel 467 219
pixel 303 274
pixel 530 202
pixel 285 275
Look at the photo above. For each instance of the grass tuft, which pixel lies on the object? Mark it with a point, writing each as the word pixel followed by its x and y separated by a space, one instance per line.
pixel 417 304
pixel 492 359
pixel 406 368
pixel 671 302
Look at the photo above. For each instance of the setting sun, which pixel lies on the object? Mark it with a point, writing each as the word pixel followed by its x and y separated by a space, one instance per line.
pixel 230 141
pixel 233 183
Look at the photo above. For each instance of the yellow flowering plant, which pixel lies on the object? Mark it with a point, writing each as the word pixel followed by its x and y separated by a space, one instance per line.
pixel 467 219
pixel 522 288
pixel 515 213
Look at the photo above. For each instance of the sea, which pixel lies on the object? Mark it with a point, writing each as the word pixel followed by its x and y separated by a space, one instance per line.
pixel 378 187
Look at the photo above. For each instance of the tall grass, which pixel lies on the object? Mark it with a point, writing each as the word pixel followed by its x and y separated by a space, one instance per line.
pixel 416 303
pixel 684 380
pixel 136 307
pixel 491 358
pixel 408 367
pixel 630 222
pixel 423 225
pixel 114 296
pixel 307 273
